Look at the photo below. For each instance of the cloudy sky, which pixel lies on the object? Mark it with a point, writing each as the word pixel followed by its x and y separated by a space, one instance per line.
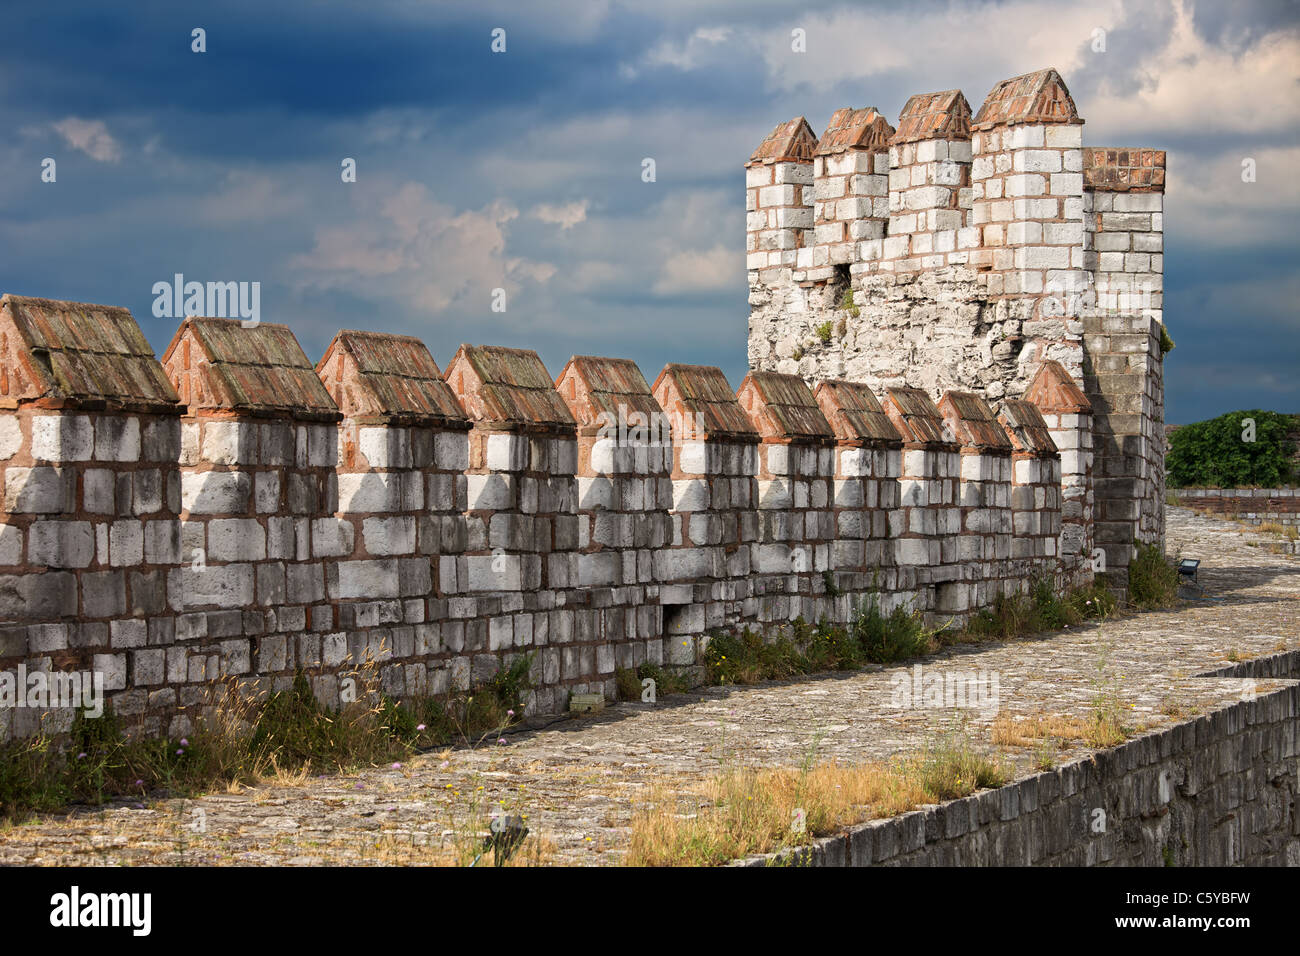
pixel 522 170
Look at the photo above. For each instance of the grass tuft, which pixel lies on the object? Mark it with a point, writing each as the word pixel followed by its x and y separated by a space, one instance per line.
pixel 1152 579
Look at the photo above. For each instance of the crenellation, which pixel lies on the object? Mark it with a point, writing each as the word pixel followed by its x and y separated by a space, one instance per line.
pixel 796 468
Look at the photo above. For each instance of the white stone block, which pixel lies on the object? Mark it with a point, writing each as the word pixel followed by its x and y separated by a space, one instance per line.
pixel 215 492
pixel 55 544
pixel 331 537
pixel 126 543
pixel 389 536
pixel 117 439
pixel 236 539
pixel 1067 184
pixel 507 452
pixel 1025 184
pixel 368 579
pixel 385 447
pixel 493 572
pixel 369 492
pixel 229 585
pixel 490 492
pixel 60 438
pixel 451 450
pixel 913 551
pixel 1037 161
pixel 1024 136
pixel 229 443
pixel 692 458
pixel 11 437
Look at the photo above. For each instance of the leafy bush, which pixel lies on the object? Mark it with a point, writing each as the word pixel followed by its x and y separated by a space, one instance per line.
pixel 627 684
pixel 827 647
pixel 746 658
pixel 1042 609
pixel 847 304
pixel 1213 453
pixel 31 777
pixel 895 637
pixel 1152 578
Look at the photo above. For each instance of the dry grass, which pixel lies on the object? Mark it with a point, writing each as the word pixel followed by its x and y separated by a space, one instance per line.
pixel 1105 727
pixel 744 812
pixel 1032 730
pixel 1172 707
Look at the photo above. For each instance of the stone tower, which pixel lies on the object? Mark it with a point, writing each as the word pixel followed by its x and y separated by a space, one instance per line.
pixel 979 252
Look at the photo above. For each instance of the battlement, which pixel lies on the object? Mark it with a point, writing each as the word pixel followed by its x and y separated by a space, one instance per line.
pixel 964 253
pixel 235 510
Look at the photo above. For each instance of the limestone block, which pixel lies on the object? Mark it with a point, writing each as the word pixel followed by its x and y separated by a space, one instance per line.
pixel 62 438
pixel 57 544
pixel 215 492
pixel 11 437
pixel 389 536
pixel 229 443
pixel 229 585
pixel 43 489
pixel 117 438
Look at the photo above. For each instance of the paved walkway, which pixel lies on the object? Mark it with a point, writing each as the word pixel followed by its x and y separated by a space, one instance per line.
pixel 580 780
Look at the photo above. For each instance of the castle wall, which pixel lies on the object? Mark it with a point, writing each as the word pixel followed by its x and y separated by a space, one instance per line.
pixel 228 537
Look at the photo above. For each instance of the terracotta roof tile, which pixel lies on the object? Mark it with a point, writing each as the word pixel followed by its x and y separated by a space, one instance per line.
pixel 507 387
pixel 917 419
pixel 1039 97
pixel 260 370
pixel 782 407
pixel 1026 428
pixel 1124 169
pixel 700 404
pixel 83 356
pixel 972 420
pixel 863 129
pixel 944 115
pixel 855 414
pixel 592 386
pixel 376 376
pixel 1055 393
pixel 791 140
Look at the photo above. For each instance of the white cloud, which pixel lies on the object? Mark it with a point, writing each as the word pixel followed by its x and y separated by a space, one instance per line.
pixel 1194 86
pixel 693 270
pixel 688 55
pixel 248 197
pixel 91 137
pixel 564 215
pixel 956 40
pixel 407 246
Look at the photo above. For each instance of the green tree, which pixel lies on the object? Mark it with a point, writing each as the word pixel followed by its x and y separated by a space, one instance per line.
pixel 1218 452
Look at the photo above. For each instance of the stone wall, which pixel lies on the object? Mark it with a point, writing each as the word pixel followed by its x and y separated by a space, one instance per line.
pixel 234 511
pixel 1256 505
pixel 1007 243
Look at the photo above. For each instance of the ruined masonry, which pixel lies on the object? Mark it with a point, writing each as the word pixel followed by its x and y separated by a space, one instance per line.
pixel 234 510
